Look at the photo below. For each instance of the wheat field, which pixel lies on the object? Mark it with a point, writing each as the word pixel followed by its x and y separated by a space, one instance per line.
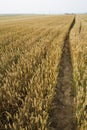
pixel 43 72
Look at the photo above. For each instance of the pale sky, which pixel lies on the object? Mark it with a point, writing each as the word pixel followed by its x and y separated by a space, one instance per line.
pixel 43 6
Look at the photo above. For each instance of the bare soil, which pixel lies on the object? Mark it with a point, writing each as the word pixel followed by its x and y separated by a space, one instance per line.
pixel 62 109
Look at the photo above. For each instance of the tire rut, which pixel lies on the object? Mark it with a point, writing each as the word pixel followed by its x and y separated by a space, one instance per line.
pixel 61 114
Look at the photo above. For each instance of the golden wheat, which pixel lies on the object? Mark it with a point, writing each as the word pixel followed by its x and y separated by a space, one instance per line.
pixel 79 58
pixel 30 53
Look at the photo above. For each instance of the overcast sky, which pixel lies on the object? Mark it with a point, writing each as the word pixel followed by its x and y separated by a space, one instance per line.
pixel 43 6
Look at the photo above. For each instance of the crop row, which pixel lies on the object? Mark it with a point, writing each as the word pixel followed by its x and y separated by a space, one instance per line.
pixel 78 40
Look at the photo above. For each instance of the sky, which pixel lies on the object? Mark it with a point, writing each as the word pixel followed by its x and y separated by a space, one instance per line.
pixel 42 6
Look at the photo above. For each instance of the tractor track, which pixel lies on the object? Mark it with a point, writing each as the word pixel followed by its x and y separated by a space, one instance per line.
pixel 61 114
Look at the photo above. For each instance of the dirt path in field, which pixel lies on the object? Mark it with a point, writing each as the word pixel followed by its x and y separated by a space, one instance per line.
pixel 62 110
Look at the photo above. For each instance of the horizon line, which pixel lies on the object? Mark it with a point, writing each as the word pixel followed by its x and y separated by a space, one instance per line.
pixel 40 13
